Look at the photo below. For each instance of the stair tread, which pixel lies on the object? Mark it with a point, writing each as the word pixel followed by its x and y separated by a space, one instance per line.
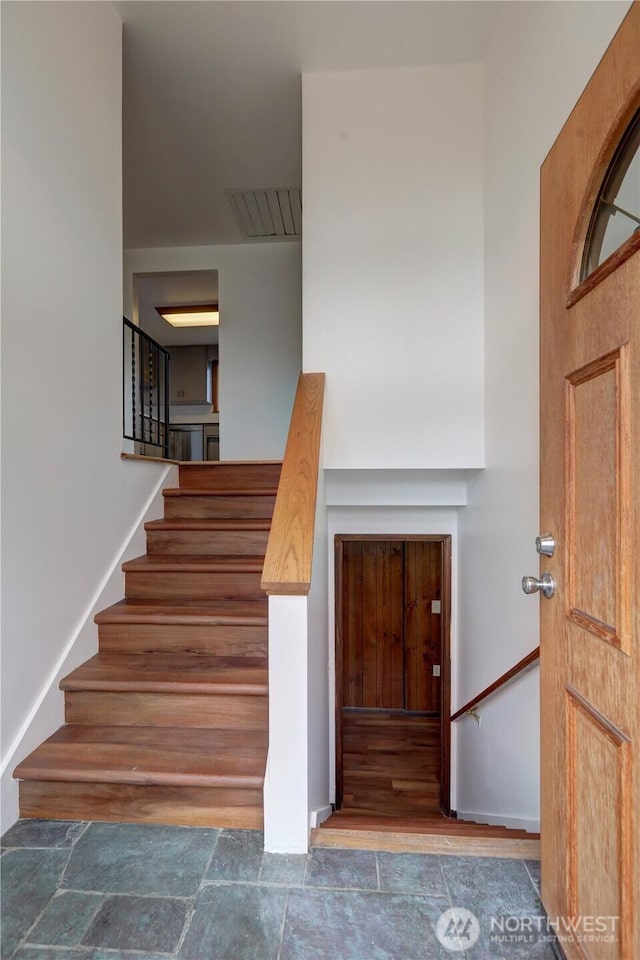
pixel 144 755
pixel 186 523
pixel 232 492
pixel 346 820
pixel 189 563
pixel 171 673
pixel 230 612
pixel 217 464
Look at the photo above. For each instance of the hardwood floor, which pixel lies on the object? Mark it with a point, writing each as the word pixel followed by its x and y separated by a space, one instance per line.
pixel 391 763
pixel 391 784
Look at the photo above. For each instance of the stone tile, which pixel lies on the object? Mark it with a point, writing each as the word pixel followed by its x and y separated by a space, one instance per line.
pixel 411 873
pixel 238 856
pixel 533 869
pixel 491 888
pixel 50 953
pixel 489 884
pixel 501 935
pixel 486 945
pixel 126 955
pixel 539 950
pixel 283 868
pixel 236 922
pixel 344 869
pixel 44 833
pixel 66 918
pixel 29 880
pixel 140 858
pixel 358 925
pixel 138 923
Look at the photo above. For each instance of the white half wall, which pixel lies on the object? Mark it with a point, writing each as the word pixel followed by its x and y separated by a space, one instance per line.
pixel 260 335
pixel 297 787
pixel 68 501
pixel 286 792
pixel 393 263
pixel 539 60
pixel 320 706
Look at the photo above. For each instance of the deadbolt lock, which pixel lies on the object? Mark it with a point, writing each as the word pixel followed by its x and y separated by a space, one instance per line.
pixel 545 545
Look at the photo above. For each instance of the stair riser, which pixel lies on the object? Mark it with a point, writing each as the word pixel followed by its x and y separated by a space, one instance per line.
pixel 229 476
pixel 223 641
pixel 167 709
pixel 186 806
pixel 218 508
pixel 193 586
pixel 204 543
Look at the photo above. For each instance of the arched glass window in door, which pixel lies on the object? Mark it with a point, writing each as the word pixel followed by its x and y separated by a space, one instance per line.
pixel 616 215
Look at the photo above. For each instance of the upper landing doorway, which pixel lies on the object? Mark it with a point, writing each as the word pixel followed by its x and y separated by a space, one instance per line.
pixel 393 600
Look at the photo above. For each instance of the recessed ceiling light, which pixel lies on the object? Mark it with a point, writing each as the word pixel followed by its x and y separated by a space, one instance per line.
pixel 193 315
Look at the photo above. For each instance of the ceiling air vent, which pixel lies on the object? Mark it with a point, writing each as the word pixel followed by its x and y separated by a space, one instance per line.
pixel 274 212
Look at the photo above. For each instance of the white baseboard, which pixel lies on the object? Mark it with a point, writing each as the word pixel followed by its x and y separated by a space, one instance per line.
pixel 47 712
pixel 318 816
pixel 497 820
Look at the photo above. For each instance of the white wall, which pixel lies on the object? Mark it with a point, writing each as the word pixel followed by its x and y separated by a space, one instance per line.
pixel 68 501
pixel 259 337
pixel 540 58
pixel 393 263
pixel 286 786
pixel 320 706
pixel 297 782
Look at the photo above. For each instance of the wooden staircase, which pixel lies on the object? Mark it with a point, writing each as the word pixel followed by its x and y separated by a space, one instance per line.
pixel 168 723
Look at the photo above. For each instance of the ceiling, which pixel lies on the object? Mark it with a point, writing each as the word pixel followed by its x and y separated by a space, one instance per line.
pixel 178 288
pixel 212 94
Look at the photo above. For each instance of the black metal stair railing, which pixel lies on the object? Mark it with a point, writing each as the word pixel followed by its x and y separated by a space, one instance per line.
pixel 145 390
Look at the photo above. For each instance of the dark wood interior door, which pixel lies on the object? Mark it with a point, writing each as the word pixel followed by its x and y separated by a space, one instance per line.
pixel 392 675
pixel 423 626
pixel 373 672
pixel 392 632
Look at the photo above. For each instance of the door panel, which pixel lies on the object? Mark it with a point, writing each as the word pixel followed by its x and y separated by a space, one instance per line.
pixel 597 754
pixel 590 495
pixel 389 591
pixel 373 582
pixel 392 638
pixel 597 481
pixel 423 642
pixel 352 606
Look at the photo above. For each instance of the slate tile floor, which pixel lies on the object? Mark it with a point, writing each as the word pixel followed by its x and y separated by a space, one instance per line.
pixel 108 891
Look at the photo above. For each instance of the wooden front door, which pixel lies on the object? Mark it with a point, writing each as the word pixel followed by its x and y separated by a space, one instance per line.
pixel 392 653
pixel 590 504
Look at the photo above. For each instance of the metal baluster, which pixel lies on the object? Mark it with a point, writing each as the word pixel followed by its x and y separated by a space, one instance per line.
pixel 149 378
pixel 133 385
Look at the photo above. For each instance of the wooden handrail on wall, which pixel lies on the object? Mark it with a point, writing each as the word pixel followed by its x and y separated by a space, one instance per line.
pixel 500 682
pixel 287 565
